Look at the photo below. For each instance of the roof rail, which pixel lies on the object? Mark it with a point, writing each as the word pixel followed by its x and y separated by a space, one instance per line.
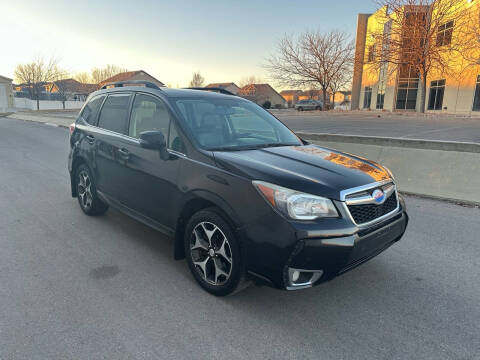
pixel 214 89
pixel 126 82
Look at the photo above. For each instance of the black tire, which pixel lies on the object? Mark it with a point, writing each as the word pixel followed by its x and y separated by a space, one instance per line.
pixel 87 196
pixel 236 279
pixel 318 108
pixel 300 109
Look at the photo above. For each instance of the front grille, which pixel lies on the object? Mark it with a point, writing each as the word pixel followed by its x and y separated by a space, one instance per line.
pixel 368 212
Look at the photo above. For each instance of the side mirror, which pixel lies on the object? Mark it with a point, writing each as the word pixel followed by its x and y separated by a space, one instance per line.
pixel 154 140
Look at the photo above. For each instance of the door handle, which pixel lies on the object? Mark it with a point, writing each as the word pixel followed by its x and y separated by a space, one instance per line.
pixel 124 153
pixel 90 139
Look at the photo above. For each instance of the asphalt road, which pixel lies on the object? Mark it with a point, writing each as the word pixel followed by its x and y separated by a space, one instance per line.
pixel 75 287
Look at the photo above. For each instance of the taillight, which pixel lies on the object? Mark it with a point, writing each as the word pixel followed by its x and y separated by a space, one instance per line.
pixel 71 128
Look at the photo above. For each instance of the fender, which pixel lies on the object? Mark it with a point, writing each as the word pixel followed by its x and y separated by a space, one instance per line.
pixel 184 211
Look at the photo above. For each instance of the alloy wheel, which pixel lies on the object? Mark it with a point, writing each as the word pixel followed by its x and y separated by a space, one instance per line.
pixel 84 189
pixel 211 253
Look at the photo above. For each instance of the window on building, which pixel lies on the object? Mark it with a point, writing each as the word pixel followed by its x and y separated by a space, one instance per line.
pixel 367 97
pixel 407 90
pixel 435 98
pixel 380 97
pixel 444 34
pixel 476 99
pixel 371 53
pixel 114 113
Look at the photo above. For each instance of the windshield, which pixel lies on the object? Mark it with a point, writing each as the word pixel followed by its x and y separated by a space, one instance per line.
pixel 233 124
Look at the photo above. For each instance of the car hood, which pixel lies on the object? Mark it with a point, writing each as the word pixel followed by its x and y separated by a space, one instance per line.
pixel 309 168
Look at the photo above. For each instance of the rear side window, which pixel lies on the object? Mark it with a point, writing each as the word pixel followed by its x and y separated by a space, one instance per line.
pixel 114 113
pixel 90 111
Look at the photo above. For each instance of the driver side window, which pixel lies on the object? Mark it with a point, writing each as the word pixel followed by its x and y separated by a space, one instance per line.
pixel 148 114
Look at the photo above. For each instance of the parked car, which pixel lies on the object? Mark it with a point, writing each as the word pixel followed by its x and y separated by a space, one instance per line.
pixel 308 105
pixel 242 196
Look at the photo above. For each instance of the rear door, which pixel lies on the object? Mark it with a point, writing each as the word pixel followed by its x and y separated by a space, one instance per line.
pixel 109 143
pixel 151 182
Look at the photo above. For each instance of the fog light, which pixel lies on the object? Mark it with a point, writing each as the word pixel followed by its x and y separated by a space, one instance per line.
pixel 299 278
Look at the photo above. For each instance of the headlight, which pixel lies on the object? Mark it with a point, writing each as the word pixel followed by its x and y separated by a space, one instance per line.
pixel 389 172
pixel 295 204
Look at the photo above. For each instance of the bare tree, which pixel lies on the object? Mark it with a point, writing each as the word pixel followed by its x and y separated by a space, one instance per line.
pixel 83 77
pixel 100 74
pixel 418 38
pixel 313 59
pixel 197 80
pixel 37 74
pixel 249 80
pixel 340 82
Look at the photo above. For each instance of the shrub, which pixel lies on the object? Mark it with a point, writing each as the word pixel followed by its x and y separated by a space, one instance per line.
pixel 267 104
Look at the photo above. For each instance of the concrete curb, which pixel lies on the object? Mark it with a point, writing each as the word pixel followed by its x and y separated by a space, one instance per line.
pixel 442 174
pixel 394 142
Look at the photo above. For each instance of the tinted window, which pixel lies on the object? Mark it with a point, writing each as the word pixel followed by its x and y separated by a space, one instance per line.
pixel 175 142
pixel 89 113
pixel 148 114
pixel 114 113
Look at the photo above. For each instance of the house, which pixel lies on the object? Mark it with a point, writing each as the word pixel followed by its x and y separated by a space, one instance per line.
pixel 70 89
pixel 232 87
pixel 311 95
pixel 291 96
pixel 132 75
pixel 6 94
pixel 261 94
pixel 398 88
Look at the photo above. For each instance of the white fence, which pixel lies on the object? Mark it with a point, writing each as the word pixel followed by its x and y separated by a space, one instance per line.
pixel 27 104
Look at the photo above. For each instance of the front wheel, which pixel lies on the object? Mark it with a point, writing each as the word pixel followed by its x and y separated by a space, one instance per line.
pixel 318 108
pixel 213 253
pixel 300 109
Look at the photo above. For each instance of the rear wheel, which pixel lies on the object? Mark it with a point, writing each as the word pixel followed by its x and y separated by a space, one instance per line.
pixel 213 253
pixel 87 196
pixel 300 108
pixel 318 108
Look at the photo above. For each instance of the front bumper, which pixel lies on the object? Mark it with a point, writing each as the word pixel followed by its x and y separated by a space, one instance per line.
pixel 321 255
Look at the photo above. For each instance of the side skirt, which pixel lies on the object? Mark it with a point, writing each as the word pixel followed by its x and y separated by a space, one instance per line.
pixel 136 215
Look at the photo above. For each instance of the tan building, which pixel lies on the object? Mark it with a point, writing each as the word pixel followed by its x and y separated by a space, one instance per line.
pixel 132 75
pixel 291 96
pixel 6 95
pixel 261 94
pixel 386 88
pixel 231 87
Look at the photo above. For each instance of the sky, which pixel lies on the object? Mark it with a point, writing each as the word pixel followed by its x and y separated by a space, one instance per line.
pixel 225 40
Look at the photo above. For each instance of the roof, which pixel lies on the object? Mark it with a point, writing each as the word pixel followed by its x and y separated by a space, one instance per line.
pixel 126 76
pixel 257 89
pixel 180 93
pixel 5 78
pixel 72 85
pixel 221 85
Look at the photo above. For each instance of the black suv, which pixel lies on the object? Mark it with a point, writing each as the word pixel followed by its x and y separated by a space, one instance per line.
pixel 242 196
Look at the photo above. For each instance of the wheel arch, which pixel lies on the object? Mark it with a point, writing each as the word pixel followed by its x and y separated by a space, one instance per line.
pixel 79 160
pixel 194 202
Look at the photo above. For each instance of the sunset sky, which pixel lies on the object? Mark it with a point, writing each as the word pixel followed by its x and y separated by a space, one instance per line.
pixel 224 40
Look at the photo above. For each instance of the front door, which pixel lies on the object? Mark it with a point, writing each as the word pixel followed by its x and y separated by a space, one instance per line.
pixel 150 180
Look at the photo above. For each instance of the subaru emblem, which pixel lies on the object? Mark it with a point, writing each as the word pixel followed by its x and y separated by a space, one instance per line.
pixel 378 196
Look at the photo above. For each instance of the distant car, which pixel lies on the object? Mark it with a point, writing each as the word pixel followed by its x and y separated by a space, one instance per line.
pixel 242 196
pixel 308 105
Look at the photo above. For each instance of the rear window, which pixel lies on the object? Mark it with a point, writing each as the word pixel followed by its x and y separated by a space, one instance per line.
pixel 114 113
pixel 90 111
